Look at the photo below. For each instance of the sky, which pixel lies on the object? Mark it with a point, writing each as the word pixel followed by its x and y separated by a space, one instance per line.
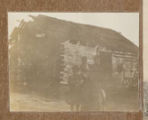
pixel 125 23
pixel 145 39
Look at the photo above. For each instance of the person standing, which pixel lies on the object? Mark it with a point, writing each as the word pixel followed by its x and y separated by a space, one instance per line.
pixel 74 94
pixel 92 94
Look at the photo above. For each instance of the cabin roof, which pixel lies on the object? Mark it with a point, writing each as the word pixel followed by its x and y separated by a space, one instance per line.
pixel 86 34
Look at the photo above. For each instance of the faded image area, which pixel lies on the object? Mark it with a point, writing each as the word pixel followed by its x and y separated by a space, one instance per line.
pixel 75 62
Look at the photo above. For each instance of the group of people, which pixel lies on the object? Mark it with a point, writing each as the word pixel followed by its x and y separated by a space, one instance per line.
pixel 129 73
pixel 85 92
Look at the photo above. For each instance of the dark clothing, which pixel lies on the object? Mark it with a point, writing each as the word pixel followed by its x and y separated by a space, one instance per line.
pixel 75 88
pixel 91 89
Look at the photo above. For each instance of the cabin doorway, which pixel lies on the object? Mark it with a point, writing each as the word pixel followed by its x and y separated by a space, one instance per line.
pixel 106 63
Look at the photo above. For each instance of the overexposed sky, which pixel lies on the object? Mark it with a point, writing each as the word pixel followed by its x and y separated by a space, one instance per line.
pixel 125 23
pixel 145 41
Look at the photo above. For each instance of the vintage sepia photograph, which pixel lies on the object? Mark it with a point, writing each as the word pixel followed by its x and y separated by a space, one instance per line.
pixel 73 62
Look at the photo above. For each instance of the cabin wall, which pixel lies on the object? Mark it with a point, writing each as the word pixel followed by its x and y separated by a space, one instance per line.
pixel 113 63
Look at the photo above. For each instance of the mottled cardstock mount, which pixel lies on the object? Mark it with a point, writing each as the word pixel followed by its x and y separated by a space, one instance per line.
pixel 61 6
